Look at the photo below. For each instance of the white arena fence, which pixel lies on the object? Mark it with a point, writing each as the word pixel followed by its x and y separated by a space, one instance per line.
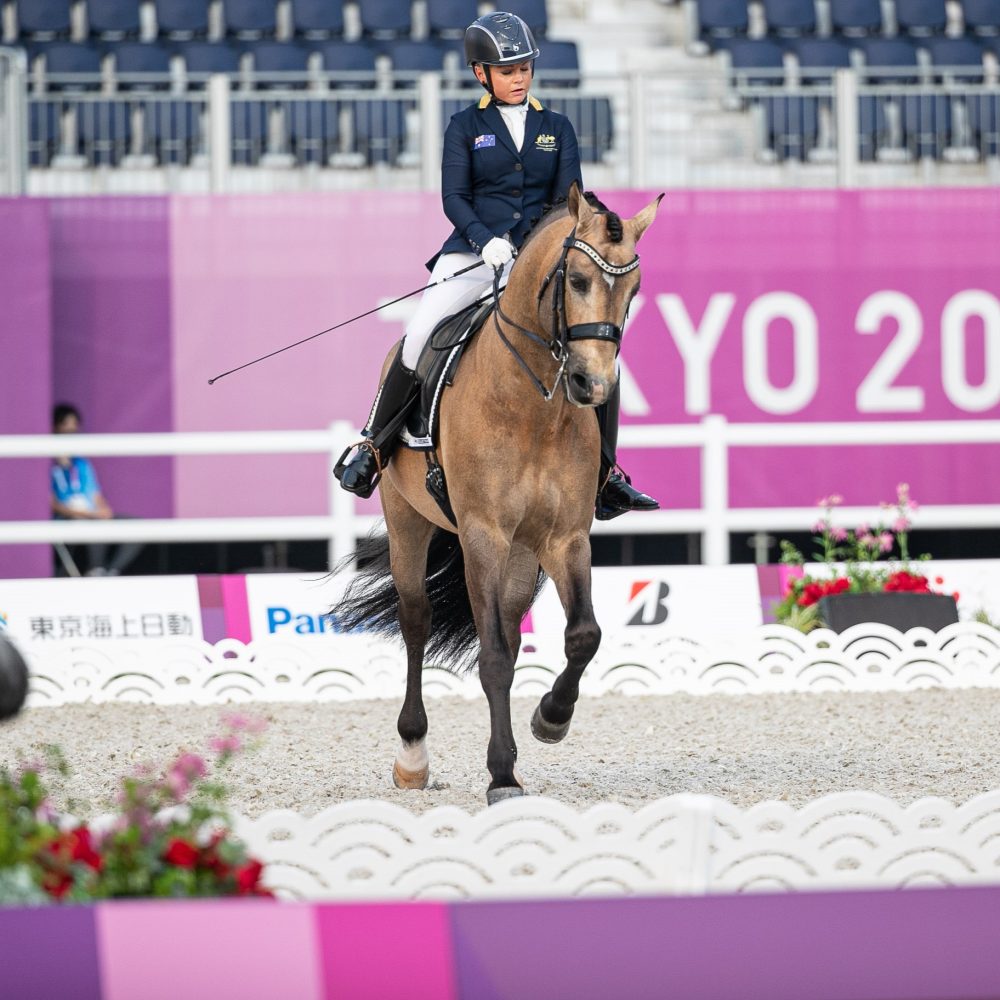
pixel 539 847
pixel 343 525
pixel 772 659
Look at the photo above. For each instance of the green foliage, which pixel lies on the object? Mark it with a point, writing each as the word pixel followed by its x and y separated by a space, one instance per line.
pixel 171 836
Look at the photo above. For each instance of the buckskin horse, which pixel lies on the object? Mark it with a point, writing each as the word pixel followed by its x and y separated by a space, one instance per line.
pixel 521 463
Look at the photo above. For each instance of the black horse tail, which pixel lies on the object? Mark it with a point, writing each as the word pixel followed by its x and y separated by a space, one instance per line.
pixel 371 603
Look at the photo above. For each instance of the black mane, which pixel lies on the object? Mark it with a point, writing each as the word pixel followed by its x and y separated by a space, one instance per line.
pixel 560 207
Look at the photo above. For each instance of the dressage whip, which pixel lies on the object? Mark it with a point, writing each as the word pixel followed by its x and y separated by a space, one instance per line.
pixel 384 305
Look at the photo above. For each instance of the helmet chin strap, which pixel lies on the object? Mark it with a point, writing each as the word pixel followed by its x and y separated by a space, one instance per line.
pixel 488 85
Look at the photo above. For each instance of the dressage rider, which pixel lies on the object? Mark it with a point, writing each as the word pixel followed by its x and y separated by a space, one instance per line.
pixel 505 158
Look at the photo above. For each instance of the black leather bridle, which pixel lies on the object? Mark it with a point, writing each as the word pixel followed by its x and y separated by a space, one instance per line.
pixel 562 334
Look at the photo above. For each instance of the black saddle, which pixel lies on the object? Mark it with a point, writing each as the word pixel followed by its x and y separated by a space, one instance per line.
pixel 436 369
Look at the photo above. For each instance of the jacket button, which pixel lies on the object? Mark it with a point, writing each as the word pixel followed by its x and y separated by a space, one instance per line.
pixel 517 215
pixel 518 166
pixel 516 193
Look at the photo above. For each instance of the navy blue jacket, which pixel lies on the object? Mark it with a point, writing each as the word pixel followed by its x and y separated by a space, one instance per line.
pixel 489 188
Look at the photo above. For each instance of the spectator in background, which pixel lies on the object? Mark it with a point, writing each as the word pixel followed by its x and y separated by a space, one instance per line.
pixel 76 495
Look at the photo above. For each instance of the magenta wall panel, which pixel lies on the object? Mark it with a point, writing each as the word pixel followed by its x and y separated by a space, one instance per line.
pixel 378 950
pixel 25 372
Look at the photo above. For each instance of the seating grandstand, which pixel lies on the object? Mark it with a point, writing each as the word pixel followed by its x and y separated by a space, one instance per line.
pixel 335 85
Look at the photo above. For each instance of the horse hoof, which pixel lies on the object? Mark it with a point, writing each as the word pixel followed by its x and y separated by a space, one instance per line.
pixel 410 780
pixel 547 732
pixel 495 795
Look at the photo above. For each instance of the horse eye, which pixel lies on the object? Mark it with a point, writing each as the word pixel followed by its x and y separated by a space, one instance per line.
pixel 579 283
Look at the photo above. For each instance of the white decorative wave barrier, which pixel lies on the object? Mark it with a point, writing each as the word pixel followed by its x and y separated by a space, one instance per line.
pixel 770 659
pixel 684 844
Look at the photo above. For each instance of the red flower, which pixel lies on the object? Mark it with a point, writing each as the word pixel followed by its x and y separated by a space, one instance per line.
pixel 247 878
pixel 181 853
pixel 72 846
pixel 812 592
pixel 908 582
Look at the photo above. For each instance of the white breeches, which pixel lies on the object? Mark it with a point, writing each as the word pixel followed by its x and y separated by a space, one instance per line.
pixel 443 300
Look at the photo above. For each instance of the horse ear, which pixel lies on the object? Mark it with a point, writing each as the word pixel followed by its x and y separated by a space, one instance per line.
pixel 579 207
pixel 642 220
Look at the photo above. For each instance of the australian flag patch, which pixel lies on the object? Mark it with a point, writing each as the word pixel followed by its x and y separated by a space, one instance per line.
pixel 482 141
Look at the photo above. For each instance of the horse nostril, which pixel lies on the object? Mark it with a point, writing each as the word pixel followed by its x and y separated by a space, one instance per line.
pixel 581 383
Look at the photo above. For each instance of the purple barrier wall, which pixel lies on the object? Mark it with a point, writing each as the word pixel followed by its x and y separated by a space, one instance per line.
pixel 112 334
pixel 25 372
pixel 913 944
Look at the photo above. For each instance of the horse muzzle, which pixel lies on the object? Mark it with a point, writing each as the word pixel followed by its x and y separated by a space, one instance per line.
pixel 583 388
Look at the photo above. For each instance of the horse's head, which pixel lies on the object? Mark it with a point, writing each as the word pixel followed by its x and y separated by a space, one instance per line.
pixel 600 275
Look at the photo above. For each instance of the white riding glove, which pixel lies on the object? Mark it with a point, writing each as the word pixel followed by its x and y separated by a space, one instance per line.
pixel 497 252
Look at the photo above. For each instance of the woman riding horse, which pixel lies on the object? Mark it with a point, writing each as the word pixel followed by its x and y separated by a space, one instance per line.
pixel 505 158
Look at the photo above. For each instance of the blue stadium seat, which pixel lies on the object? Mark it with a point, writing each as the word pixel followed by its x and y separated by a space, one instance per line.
pixel 981 17
pixel 72 57
pixel 113 19
pixel 952 53
pixel 141 57
pixel 201 58
pixel 818 57
pixel 792 125
pixel 720 20
pixel 790 18
pixel 885 54
pixel 43 19
pixel 921 17
pixel 248 125
pixel 855 18
pixel 560 64
pixel 592 121
pixel 250 18
pixel 182 18
pixel 385 18
pixel 450 18
pixel 379 130
pixel 171 130
pixel 408 56
pixel 534 13
pixel 927 125
pixel 318 19
pixel 355 59
pixel 104 130
pixel 313 130
pixel 748 54
pixel 43 131
pixel 984 122
pixel 281 57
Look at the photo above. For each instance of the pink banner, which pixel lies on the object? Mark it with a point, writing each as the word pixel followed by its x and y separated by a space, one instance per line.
pixel 763 306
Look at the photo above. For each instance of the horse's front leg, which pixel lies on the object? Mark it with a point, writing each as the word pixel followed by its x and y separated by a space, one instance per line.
pixel 486 553
pixel 569 567
pixel 409 537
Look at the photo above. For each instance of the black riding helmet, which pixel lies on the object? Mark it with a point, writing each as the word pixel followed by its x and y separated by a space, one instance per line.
pixel 499 39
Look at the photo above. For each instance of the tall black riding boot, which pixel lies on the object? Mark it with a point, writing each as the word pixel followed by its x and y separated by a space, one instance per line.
pixel 615 495
pixel 361 474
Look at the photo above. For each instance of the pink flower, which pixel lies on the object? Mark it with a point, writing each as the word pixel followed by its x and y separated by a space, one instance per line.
pixel 819 527
pixel 868 540
pixel 838 534
pixel 885 541
pixel 900 524
pixel 836 500
pixel 237 722
pixel 862 529
pixel 186 769
pixel 226 744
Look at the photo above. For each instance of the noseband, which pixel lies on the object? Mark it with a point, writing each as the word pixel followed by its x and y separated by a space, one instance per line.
pixel 562 335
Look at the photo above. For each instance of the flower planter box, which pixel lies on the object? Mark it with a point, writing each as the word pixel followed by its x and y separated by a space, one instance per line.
pixel 900 610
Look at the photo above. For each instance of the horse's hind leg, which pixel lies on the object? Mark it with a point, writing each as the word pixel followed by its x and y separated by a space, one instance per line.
pixel 569 566
pixel 409 537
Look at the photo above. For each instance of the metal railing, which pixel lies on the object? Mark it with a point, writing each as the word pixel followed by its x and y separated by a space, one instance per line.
pixel 710 125
pixel 715 520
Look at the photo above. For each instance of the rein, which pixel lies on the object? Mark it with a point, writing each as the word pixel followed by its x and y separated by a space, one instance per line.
pixel 562 335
